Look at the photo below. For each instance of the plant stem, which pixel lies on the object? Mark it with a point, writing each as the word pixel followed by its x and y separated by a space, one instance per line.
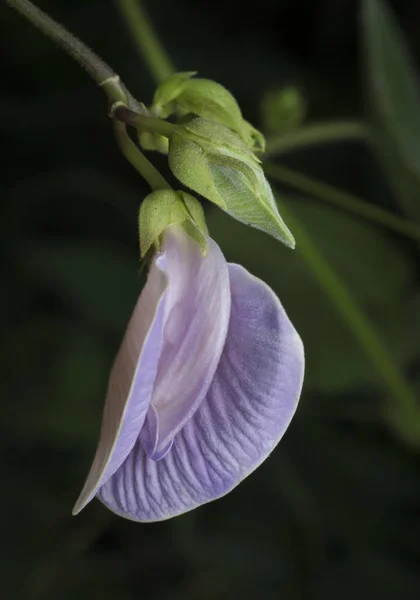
pixel 146 39
pixel 129 149
pixel 129 117
pixel 342 199
pixel 313 135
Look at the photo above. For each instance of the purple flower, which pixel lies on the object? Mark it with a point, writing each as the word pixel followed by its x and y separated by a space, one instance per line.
pixel 204 386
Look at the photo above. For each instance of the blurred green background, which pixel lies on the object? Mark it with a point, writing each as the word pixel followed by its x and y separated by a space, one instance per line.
pixel 334 512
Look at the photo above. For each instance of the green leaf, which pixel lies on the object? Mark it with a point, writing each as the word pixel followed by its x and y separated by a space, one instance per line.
pixel 394 95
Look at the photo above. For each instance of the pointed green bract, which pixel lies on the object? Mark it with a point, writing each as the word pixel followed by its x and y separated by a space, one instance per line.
pixel 213 161
pixel 164 208
pixel 206 99
pixel 196 211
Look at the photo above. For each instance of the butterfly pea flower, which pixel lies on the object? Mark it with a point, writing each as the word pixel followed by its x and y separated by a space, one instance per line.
pixel 205 384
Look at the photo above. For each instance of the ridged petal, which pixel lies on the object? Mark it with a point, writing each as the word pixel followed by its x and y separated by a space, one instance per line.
pixel 168 356
pixel 248 408
pixel 196 320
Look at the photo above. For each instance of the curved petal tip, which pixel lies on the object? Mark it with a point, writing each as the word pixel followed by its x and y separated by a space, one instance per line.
pixel 130 385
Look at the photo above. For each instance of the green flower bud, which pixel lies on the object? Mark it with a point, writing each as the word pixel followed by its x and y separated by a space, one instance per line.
pixel 214 162
pixel 164 208
pixel 283 109
pixel 206 99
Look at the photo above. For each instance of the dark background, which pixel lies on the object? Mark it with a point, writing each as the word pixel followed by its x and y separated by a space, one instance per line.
pixel 334 512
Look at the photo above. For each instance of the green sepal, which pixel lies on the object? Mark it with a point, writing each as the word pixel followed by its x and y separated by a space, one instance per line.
pixel 159 210
pixel 196 211
pixel 223 170
pixel 163 208
pixel 194 232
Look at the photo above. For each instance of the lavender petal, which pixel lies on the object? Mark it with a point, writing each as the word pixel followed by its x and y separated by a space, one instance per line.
pixel 248 407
